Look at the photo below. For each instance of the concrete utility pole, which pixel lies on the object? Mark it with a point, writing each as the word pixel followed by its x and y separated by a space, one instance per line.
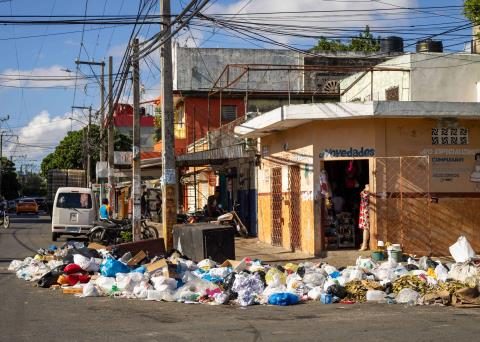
pixel 89 149
pixel 110 146
pixel 169 203
pixel 137 178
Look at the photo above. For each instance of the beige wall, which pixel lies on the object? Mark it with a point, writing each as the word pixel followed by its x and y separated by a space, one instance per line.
pixel 427 226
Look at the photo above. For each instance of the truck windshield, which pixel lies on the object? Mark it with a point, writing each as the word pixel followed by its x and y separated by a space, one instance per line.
pixel 74 200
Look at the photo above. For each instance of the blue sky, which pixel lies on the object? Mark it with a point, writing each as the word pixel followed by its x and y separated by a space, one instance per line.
pixel 39 116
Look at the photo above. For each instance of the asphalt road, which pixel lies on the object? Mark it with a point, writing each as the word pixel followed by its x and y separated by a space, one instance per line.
pixel 28 313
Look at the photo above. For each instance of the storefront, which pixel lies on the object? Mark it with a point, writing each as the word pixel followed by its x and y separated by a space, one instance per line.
pixel 420 159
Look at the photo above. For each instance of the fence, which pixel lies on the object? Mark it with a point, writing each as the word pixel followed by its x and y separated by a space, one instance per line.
pixel 402 202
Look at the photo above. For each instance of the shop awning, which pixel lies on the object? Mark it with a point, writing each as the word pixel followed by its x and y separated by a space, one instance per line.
pixel 214 156
pixel 286 117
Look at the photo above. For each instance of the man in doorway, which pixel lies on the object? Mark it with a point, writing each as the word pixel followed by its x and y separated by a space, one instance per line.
pixel 213 201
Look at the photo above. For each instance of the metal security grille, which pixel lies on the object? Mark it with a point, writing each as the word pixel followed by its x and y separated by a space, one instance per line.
pixel 402 202
pixel 276 181
pixel 294 194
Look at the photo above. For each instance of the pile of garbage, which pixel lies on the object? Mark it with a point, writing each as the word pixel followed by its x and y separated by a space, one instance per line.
pixel 89 271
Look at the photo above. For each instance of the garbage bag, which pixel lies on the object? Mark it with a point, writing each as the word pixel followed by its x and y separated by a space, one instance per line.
pixel 291 267
pixel 72 268
pixel 162 283
pixel 337 291
pixel 441 273
pixel 90 290
pixel 249 288
pixel 463 272
pixel 127 281
pixel 73 279
pixel 461 250
pixel 315 293
pixel 407 295
pixel 283 299
pixel 206 264
pixel 105 284
pixel 376 296
pixel 275 276
pixel 193 290
pixel 314 279
pixel 140 290
pixel 110 267
pixel 87 264
pixel 51 277
pixel 271 289
pixel 366 263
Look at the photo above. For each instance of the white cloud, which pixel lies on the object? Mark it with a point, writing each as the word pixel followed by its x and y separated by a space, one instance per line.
pixel 53 76
pixel 43 133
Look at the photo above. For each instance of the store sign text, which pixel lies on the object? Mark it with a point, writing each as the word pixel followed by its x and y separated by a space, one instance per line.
pixel 348 152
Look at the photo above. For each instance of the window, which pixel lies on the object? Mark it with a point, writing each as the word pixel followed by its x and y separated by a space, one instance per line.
pixel 229 113
pixel 74 200
pixel 391 94
pixel 450 136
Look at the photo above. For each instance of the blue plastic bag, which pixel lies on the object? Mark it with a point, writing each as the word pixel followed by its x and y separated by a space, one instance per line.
pixel 140 269
pixel 283 299
pixel 111 267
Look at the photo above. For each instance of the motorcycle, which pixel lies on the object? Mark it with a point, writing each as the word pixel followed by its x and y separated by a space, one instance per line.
pixel 112 232
pixel 231 218
pixel 4 219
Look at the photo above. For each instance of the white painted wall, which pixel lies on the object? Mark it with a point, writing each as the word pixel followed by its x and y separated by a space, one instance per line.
pixel 432 77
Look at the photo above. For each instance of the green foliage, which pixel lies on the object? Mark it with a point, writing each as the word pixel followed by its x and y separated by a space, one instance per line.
pixel 72 151
pixel 471 9
pixel 33 185
pixel 365 42
pixel 126 236
pixel 10 185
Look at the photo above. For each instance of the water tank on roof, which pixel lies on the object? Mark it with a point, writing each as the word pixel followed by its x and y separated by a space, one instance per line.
pixel 391 44
pixel 429 45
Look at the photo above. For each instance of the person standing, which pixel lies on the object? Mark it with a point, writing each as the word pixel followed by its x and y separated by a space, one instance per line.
pixel 105 211
pixel 144 202
pixel 158 207
pixel 364 218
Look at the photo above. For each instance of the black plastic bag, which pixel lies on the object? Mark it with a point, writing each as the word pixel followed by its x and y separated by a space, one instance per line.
pixel 301 271
pixel 51 277
pixel 337 291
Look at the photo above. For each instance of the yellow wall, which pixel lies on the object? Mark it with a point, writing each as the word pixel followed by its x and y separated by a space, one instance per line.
pixel 432 227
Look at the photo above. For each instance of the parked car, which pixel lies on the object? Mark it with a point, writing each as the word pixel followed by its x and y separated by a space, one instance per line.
pixel 42 203
pixel 27 205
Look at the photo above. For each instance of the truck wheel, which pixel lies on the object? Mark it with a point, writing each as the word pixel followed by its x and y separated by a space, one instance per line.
pixel 54 236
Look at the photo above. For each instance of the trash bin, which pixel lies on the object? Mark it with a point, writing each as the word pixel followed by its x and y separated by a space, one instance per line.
pixel 199 241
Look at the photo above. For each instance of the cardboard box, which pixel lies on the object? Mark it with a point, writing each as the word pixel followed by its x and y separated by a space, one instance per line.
pixel 97 246
pixel 137 258
pixel 72 290
pixel 167 269
pixel 236 265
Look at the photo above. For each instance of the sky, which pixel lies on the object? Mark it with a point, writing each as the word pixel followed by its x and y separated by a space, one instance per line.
pixel 39 111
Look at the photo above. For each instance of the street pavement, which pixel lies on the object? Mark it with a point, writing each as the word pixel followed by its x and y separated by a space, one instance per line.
pixel 28 313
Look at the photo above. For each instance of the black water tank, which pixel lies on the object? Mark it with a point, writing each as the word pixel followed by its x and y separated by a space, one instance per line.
pixel 391 44
pixel 429 46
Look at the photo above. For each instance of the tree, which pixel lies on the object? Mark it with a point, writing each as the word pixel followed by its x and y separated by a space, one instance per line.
pixel 72 151
pixel 471 9
pixel 33 185
pixel 10 185
pixel 365 42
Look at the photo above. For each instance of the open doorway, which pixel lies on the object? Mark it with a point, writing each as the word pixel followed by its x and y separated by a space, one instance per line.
pixel 347 178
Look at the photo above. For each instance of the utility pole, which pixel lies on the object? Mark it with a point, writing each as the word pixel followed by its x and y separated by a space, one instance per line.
pixel 110 133
pixel 137 178
pixel 102 111
pixel 169 203
pixel 89 149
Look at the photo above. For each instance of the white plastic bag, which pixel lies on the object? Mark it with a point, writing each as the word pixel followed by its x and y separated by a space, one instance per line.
pixel 140 290
pixel 314 279
pixel 90 290
pixel 461 250
pixel 441 272
pixel 87 264
pixel 105 284
pixel 315 293
pixel 407 295
pixel 376 296
pixel 162 283
pixel 127 281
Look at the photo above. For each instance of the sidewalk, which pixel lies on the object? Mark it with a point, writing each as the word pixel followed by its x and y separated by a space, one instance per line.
pixel 255 249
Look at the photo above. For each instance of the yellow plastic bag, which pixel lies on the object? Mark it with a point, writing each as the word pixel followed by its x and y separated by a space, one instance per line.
pixel 275 276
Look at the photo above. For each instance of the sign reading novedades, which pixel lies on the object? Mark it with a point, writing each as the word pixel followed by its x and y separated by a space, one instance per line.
pixel 348 152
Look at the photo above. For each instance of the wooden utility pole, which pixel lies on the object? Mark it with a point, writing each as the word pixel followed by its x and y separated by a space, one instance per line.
pixel 137 179
pixel 169 203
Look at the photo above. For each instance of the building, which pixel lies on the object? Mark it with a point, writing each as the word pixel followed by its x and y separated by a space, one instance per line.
pixel 217 88
pixel 123 122
pixel 420 157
